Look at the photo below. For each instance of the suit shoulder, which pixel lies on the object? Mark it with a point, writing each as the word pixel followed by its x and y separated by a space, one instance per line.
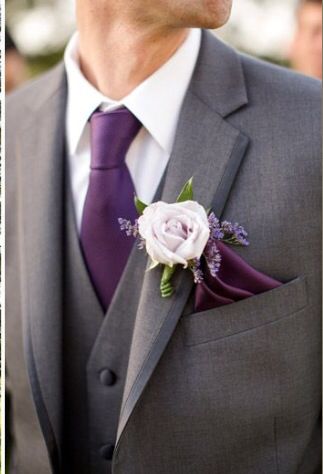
pixel 286 101
pixel 287 105
pixel 35 91
pixel 281 84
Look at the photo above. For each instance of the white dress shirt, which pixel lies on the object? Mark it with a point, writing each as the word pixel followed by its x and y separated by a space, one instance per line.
pixel 156 102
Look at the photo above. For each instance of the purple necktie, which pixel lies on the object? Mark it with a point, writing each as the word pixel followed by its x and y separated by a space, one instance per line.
pixel 110 195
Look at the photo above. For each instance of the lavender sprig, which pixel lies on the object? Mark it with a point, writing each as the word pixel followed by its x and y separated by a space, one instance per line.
pixel 195 267
pixel 131 230
pixel 212 256
pixel 234 234
pixel 215 227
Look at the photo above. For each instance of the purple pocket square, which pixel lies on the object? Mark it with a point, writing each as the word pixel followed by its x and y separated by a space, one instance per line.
pixel 236 280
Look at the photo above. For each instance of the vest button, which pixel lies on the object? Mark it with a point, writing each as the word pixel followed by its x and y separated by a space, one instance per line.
pixel 107 452
pixel 107 377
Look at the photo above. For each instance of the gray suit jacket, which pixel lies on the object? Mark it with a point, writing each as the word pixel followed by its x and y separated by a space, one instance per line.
pixel 229 390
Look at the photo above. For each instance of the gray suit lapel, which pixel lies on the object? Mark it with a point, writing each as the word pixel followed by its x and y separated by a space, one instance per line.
pixel 210 149
pixel 41 218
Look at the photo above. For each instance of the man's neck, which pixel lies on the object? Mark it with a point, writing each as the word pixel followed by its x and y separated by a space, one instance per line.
pixel 117 55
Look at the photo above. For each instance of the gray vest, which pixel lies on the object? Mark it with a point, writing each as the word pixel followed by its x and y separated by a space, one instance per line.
pixel 95 358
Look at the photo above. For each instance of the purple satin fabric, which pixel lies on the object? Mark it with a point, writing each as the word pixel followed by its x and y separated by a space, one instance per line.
pixel 235 281
pixel 110 195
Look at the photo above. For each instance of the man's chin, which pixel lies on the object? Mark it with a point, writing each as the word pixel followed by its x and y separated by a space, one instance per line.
pixel 217 12
pixel 213 25
pixel 212 18
pixel 208 23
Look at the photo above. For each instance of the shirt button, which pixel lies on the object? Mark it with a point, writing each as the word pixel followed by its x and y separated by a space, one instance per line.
pixel 107 377
pixel 107 452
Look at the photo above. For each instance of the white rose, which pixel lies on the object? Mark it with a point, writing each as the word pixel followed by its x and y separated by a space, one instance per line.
pixel 174 233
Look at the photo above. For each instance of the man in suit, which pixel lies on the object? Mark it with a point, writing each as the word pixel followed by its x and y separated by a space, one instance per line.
pixel 104 375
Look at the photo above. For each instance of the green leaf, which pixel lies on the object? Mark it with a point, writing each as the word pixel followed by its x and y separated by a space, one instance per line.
pixel 140 206
pixel 187 192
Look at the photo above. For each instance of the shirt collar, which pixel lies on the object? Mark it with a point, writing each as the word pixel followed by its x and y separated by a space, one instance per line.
pixel 156 102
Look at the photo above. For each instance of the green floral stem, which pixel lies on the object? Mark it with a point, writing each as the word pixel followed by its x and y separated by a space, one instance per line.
pixel 166 288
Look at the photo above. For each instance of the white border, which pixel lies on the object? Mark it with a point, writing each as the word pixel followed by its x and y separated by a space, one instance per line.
pixel 2 234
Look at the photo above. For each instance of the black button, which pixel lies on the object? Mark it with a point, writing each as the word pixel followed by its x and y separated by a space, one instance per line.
pixel 107 452
pixel 107 377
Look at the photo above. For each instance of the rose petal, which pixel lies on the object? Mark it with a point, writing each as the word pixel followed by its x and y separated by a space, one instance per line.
pixel 174 233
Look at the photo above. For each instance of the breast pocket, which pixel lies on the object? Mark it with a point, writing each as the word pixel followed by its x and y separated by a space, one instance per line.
pixel 247 314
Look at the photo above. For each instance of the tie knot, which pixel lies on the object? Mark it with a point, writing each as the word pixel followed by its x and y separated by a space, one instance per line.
pixel 111 136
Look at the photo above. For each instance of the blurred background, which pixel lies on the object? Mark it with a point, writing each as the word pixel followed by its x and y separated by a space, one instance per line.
pixel 287 32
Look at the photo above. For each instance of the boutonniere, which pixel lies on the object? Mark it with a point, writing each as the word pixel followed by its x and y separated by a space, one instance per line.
pixel 181 233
